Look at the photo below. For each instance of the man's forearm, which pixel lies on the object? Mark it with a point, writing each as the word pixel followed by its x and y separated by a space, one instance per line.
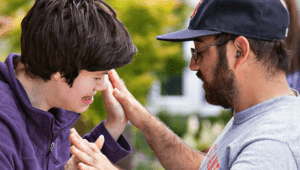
pixel 171 151
pixel 167 147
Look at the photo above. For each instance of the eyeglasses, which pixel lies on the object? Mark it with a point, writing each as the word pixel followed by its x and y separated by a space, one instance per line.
pixel 199 50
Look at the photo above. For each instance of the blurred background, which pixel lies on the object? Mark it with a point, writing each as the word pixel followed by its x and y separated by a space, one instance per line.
pixel 158 76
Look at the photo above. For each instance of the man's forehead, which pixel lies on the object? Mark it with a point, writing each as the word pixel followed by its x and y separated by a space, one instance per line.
pixel 210 38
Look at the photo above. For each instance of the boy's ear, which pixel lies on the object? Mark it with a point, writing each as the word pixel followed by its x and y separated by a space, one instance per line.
pixel 56 76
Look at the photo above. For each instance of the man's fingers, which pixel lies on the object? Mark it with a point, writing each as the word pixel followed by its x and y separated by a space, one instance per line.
pixel 99 142
pixel 120 97
pixel 117 82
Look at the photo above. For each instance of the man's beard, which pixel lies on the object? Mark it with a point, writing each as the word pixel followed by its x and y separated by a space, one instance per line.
pixel 223 90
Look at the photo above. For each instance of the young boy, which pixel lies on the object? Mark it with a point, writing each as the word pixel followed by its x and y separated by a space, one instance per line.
pixel 67 49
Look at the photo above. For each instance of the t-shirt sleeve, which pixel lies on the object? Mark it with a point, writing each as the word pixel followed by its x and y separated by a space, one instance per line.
pixel 265 154
pixel 113 150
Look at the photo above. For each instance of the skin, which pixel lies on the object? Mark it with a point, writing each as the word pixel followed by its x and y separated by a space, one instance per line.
pixel 171 151
pixel 86 155
pixel 57 93
pixel 221 89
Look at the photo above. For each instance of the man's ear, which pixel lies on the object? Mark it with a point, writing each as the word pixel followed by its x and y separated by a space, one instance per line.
pixel 242 48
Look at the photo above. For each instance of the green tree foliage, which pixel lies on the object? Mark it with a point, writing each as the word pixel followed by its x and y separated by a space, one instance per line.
pixel 15 10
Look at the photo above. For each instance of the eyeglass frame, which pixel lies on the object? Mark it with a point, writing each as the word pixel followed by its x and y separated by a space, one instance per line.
pixel 194 53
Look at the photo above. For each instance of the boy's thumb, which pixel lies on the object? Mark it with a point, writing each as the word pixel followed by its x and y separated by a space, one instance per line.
pixel 100 141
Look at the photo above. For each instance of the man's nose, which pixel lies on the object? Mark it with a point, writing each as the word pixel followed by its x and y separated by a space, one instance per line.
pixel 193 65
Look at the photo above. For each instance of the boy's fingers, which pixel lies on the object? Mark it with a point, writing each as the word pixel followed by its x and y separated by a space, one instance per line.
pixel 108 85
pixel 73 131
pixel 99 142
pixel 83 157
pixel 83 166
pixel 82 145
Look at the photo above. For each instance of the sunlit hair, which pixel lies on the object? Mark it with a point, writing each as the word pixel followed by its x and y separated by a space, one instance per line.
pixel 67 36
pixel 274 55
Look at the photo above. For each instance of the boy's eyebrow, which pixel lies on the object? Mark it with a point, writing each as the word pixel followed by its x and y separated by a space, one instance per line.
pixel 105 72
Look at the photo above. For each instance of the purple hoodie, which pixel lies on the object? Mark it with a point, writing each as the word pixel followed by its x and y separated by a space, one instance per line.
pixel 34 139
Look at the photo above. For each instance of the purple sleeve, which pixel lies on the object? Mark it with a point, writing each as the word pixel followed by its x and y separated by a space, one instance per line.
pixel 113 150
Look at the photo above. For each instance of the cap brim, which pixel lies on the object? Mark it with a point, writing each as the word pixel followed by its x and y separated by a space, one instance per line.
pixel 186 35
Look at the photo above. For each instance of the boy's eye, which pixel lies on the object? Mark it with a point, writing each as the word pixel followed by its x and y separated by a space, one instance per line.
pixel 98 78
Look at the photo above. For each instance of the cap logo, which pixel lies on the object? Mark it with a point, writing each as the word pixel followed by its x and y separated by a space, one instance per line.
pixel 196 9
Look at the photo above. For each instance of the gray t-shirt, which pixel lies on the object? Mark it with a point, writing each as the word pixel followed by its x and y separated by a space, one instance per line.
pixel 265 136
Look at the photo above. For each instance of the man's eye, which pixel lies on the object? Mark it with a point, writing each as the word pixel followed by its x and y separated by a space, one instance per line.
pixel 199 55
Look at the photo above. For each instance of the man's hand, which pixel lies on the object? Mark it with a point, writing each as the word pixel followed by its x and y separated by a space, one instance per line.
pixel 88 155
pixel 116 119
pixel 135 112
pixel 167 146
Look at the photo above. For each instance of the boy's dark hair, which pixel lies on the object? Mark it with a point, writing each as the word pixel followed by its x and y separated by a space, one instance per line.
pixel 67 36
pixel 274 55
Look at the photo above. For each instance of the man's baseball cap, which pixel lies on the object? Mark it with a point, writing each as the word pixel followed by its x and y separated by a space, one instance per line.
pixel 261 19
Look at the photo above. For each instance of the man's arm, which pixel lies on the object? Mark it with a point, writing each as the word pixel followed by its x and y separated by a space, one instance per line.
pixel 171 151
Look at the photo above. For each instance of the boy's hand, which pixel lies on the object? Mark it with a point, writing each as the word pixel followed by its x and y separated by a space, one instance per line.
pixel 72 163
pixel 116 119
pixel 87 155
